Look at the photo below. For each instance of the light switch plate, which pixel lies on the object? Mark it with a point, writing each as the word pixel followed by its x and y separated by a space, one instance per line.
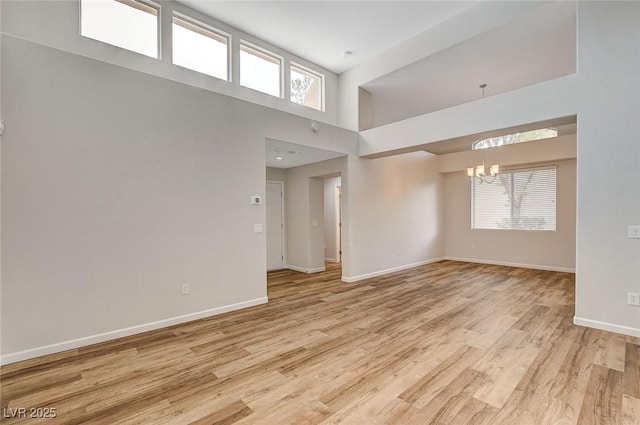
pixel 634 232
pixel 257 228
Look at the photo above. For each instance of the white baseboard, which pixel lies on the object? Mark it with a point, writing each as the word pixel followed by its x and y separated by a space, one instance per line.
pixel 604 326
pixel 304 270
pixel 330 260
pixel 350 279
pixel 508 264
pixel 120 333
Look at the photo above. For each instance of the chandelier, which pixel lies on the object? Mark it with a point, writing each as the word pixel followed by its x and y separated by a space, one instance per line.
pixel 479 173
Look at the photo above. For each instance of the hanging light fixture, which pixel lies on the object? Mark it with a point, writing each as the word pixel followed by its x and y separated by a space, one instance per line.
pixel 480 172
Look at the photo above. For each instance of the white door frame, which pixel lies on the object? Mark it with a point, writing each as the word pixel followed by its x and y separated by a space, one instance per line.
pixel 282 234
pixel 339 240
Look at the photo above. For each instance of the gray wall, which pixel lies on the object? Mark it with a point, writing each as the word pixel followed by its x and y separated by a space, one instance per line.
pixel 547 250
pixel 304 204
pixel 56 24
pixel 117 188
pixel 608 165
pixel 276 174
pixel 395 213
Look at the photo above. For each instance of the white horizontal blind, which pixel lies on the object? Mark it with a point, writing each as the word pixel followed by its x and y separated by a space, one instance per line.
pixel 520 200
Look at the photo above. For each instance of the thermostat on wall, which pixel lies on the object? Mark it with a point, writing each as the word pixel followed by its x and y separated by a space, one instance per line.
pixel 256 200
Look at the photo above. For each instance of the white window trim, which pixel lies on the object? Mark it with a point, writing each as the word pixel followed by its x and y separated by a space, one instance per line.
pixel 165 12
pixel 268 55
pixel 312 72
pixel 206 27
pixel 509 170
pixel 474 145
pixel 135 4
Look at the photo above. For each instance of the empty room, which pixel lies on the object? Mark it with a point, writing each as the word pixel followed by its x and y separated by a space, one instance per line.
pixel 320 212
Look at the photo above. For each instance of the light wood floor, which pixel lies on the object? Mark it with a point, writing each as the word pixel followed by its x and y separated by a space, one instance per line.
pixel 447 343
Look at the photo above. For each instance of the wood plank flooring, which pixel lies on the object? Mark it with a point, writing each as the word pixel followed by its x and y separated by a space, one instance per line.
pixel 447 343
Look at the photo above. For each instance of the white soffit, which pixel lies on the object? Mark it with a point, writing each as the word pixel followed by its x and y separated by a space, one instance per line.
pixel 294 155
pixel 320 31
pixel 564 126
pixel 538 47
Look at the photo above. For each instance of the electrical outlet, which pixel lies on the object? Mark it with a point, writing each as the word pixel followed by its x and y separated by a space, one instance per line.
pixel 185 288
pixel 633 298
pixel 634 232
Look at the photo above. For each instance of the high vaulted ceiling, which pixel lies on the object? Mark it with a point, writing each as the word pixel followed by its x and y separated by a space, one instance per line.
pixel 538 47
pixel 320 31
pixel 535 46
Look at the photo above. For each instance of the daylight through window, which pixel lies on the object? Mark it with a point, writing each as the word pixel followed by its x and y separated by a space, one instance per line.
pixel 260 70
pixel 130 24
pixel 510 139
pixel 306 87
pixel 200 49
pixel 519 200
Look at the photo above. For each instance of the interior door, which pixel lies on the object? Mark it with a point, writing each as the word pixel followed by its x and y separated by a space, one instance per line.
pixel 275 228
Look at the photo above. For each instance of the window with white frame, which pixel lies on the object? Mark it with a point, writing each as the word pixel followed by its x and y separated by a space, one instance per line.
pixel 260 70
pixel 517 200
pixel 510 139
pixel 130 24
pixel 307 87
pixel 202 49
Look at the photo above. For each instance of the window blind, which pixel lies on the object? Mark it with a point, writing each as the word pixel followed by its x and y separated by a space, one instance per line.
pixel 519 200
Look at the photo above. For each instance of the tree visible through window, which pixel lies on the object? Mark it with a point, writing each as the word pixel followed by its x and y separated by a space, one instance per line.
pixel 510 139
pixel 306 87
pixel 299 88
pixel 520 200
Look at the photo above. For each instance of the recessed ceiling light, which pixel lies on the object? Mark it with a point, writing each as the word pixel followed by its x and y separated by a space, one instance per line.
pixel 278 158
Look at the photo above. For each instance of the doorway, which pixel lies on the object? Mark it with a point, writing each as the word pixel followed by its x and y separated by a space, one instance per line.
pixel 333 219
pixel 339 190
pixel 275 225
pixel 301 170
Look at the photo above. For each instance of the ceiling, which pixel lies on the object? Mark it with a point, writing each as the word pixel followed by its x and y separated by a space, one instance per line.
pixel 320 31
pixel 294 155
pixel 538 47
